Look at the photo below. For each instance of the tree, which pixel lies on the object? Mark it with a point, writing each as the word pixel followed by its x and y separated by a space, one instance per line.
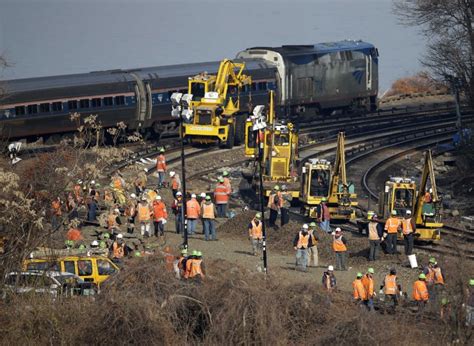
pixel 448 27
pixel 3 64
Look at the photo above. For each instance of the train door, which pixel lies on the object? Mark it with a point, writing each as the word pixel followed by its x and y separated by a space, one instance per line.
pixel 368 70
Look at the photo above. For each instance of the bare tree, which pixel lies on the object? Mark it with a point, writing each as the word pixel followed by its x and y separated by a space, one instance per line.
pixel 3 64
pixel 448 27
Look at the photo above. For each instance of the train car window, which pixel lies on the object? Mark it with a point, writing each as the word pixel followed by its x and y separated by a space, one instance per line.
pixel 325 59
pixel 197 89
pixel 232 89
pixel 84 103
pixel 334 56
pixel 160 97
pixel 253 87
pixel 96 102
pixel 358 55
pixel 119 100
pixel 108 101
pixel 20 110
pixel 349 55
pixel 44 107
pixel 262 85
pixel 72 104
pixel 32 109
pixel 57 106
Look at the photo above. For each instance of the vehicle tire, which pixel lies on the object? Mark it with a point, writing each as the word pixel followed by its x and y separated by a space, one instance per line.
pixel 239 129
pixel 229 144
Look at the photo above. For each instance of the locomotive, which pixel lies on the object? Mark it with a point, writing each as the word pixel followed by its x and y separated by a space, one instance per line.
pixel 307 79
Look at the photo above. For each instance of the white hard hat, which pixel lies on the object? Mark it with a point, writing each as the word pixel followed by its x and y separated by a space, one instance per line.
pixel 331 268
pixel 158 198
pixel 338 229
pixel 119 236
pixel 408 212
pixel 179 193
pixel 116 210
pixel 193 195
pixel 203 195
pixel 133 195
pixel 305 226
pixel 95 243
pixel 144 198
pixel 172 173
pixel 92 181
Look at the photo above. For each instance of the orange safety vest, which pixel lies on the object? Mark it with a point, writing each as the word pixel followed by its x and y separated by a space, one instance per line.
pixel 118 183
pixel 420 292
pixel 359 290
pixel 338 245
pixel 161 163
pixel 271 201
pixel 227 183
pixel 118 250
pixel 256 231
pixel 391 226
pixel 56 205
pixel 390 287
pixel 434 276
pixel 159 211
pixel 406 226
pixel 221 194
pixel 303 241
pixel 192 209
pixel 112 221
pixel 143 213
pixel 174 183
pixel 193 268
pixel 208 211
pixel 368 283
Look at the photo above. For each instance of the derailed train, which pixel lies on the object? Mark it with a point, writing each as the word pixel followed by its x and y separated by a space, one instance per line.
pixel 307 80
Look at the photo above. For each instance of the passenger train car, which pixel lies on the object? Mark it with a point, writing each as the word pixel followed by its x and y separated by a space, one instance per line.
pixel 307 79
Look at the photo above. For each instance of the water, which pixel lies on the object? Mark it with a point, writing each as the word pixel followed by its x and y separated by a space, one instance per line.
pixel 50 37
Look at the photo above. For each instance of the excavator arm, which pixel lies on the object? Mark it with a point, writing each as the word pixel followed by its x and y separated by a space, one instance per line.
pixel 428 172
pixel 339 176
pixel 230 74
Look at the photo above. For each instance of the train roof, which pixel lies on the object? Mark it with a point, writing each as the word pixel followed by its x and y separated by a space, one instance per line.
pixel 318 48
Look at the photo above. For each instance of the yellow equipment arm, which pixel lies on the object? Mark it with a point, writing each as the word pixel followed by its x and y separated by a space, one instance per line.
pixel 428 171
pixel 230 73
pixel 339 166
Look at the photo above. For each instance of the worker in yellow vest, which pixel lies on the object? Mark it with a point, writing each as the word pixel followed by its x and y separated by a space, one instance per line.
pixel 301 244
pixel 392 226
pixel 408 229
pixel 208 215
pixel 256 234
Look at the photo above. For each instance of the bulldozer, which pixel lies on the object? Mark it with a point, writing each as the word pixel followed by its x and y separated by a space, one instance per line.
pixel 212 109
pixel 321 179
pixel 276 143
pixel 402 194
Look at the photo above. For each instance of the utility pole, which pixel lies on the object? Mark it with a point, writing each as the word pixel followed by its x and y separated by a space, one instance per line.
pixel 184 223
pixel 458 109
pixel 261 163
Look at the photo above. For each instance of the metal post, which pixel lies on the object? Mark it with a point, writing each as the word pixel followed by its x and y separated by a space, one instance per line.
pixel 458 110
pixel 262 203
pixel 184 223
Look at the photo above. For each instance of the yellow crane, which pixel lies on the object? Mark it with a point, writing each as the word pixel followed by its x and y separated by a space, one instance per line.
pixel 212 107
pixel 321 179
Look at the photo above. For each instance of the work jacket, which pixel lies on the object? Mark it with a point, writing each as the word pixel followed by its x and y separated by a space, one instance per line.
pixel 302 241
pixel 208 210
pixel 322 211
pixel 359 290
pixel 368 282
pixel 161 163
pixel 159 211
pixel 420 291
pixel 144 213
pixel 193 209
pixel 339 244
pixel 221 194
pixel 175 183
pixel 408 226
pixel 390 285
pixel 392 224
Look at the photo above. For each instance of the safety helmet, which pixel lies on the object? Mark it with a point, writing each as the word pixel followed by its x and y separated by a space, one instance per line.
pixel 92 182
pixel 258 216
pixel 220 179
pixel 82 247
pixel 194 253
pixel 137 253
pixel 116 211
pixel 331 268
pixel 225 173
pixel 444 301
pixel 184 251
pixel 69 243
pixel 162 150
pixel 208 198
pixel 106 235
pixel 133 195
pixel 172 173
pixel 471 282
pixel 102 244
pixel 276 188
pixel 312 224
pixel 199 254
pixel 371 271
pixel 324 199
pixel 393 271
pixel 193 195
pixel 338 230
pixel 359 275
pixel 408 212
pixel 283 187
pixel 119 236
pixel 95 243
pixel 394 212
pixel 305 226
pixel 374 217
pixel 97 185
pixel 179 193
pixel 203 195
pixel 422 276
pixel 158 198
pixel 433 260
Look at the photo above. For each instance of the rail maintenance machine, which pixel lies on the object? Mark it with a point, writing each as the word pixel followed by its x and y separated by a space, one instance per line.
pixel 212 109
pixel 278 142
pixel 401 194
pixel 320 180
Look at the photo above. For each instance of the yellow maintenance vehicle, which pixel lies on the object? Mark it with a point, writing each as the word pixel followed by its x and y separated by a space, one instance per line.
pixel 214 107
pixel 278 142
pixel 322 180
pixel 401 194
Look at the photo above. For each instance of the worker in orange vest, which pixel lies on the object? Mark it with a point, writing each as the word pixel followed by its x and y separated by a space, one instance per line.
pixel 339 246
pixel 175 183
pixel 408 229
pixel 256 234
pixel 74 234
pixel 78 191
pixel 302 242
pixel 358 290
pixel 420 292
pixel 390 288
pixel 392 226
pixel 221 196
pixel 434 279
pixel 160 216
pixel 227 183
pixel 56 213
pixel 118 248
pixel 113 220
pixel 161 167
pixel 195 267
pixel 144 217
pixel 208 214
pixel 368 282
pixel 275 202
pixel 193 211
